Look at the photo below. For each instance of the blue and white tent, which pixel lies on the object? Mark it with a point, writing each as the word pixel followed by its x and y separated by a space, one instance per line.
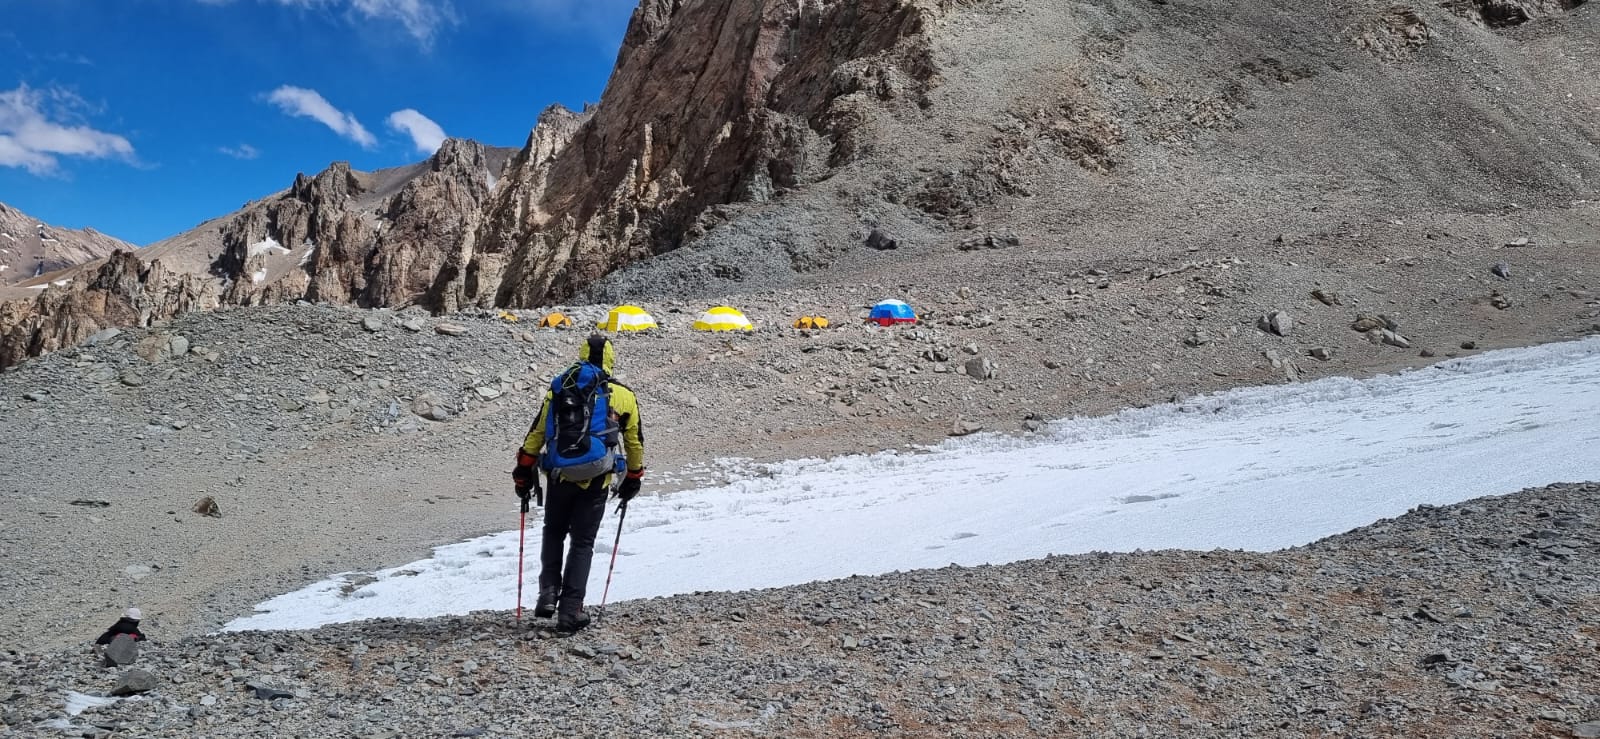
pixel 891 312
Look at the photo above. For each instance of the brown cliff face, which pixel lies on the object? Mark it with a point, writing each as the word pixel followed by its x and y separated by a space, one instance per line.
pixel 123 291
pixel 472 274
pixel 378 239
pixel 710 103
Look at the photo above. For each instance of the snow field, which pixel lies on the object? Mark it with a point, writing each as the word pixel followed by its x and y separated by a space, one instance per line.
pixel 1255 468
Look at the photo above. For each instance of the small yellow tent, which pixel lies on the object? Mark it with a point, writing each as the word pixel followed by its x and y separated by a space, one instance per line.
pixel 723 318
pixel 811 322
pixel 509 317
pixel 556 320
pixel 627 318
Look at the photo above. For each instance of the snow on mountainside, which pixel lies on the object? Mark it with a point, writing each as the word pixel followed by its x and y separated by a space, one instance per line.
pixel 30 248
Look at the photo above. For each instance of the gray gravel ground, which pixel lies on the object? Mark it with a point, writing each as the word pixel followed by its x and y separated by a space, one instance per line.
pixel 1476 619
pixel 317 425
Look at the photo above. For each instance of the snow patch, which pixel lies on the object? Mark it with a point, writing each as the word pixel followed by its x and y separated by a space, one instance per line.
pixel 268 246
pixel 1254 468
pixel 311 253
pixel 258 275
pixel 79 702
pixel 9 236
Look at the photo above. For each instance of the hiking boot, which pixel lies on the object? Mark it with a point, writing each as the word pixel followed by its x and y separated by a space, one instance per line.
pixel 546 607
pixel 569 622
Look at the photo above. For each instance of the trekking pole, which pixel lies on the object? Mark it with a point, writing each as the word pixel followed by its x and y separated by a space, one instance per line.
pixel 522 539
pixel 622 511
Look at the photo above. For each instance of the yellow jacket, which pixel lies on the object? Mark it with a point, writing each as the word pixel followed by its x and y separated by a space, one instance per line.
pixel 623 403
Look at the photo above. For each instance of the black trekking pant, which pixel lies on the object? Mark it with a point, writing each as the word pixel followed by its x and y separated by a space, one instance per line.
pixel 572 511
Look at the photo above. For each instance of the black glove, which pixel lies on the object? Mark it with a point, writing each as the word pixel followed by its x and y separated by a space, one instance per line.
pixel 630 485
pixel 524 476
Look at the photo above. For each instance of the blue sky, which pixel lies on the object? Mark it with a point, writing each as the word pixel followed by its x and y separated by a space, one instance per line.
pixel 142 118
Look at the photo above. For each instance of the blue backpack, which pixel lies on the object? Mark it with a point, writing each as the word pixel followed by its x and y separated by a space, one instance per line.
pixel 581 437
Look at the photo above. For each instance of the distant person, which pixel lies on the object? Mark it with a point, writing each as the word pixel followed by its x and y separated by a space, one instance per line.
pixel 128 624
pixel 587 415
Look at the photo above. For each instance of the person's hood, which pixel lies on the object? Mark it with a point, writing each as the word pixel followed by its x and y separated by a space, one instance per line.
pixel 607 358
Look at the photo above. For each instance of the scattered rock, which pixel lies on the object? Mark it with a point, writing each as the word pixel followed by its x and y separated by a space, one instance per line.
pixel 487 392
pixel 1385 336
pixel 1276 322
pixel 1587 730
pixel 1365 323
pixel 964 427
pixel 450 329
pixel 134 682
pixel 372 323
pixel 132 379
pixel 1326 298
pixel 1321 352
pixel 1519 242
pixel 1437 658
pixel 160 347
pixel 881 241
pixel 1197 338
pixel 1500 302
pixel 266 692
pixel 103 335
pixel 413 325
pixel 430 407
pixel 208 507
pixel 1501 270
pixel 1290 370
pixel 121 652
pixel 37 396
pixel 1469 345
pixel 990 241
pixel 981 368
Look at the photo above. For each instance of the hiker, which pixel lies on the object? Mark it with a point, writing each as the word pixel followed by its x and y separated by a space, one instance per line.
pixel 587 415
pixel 128 624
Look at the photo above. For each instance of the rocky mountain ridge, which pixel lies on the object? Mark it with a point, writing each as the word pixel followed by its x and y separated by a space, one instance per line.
pixel 30 247
pixel 739 147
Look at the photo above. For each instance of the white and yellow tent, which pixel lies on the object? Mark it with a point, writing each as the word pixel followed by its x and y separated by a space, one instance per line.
pixel 723 318
pixel 627 318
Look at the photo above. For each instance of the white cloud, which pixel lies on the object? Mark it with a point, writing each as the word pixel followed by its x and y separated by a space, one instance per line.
pixel 299 101
pixel 421 19
pixel 33 134
pixel 242 151
pixel 426 134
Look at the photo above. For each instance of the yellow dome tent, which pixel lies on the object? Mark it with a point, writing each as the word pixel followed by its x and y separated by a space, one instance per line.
pixel 723 318
pixel 809 322
pixel 627 318
pixel 509 317
pixel 556 320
